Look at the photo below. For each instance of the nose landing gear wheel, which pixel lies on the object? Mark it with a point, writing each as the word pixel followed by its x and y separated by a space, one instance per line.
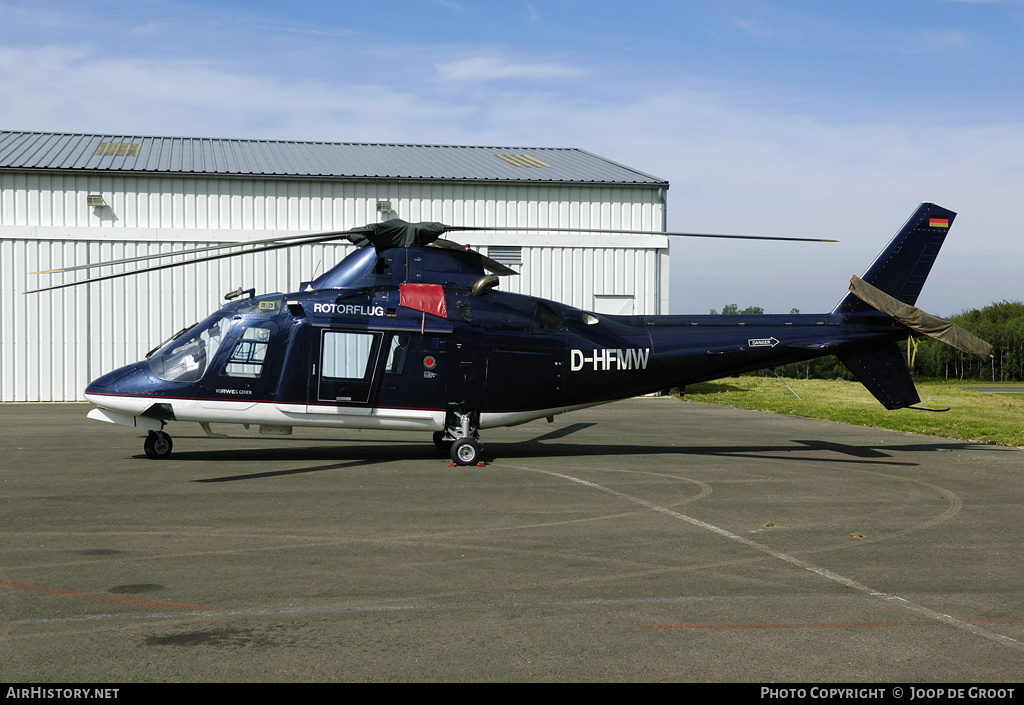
pixel 158 445
pixel 466 451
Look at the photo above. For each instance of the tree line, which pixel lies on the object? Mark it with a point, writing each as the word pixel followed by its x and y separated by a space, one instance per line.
pixel 1001 324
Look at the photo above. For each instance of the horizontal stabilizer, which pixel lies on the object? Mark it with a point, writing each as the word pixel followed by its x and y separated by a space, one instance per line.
pixel 884 373
pixel 917 320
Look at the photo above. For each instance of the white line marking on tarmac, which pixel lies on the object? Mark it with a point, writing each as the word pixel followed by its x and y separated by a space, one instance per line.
pixel 824 572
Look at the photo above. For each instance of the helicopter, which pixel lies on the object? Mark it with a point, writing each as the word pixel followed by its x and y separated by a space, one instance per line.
pixel 411 333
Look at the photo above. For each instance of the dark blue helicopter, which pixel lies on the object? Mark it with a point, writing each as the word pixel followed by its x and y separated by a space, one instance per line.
pixel 409 333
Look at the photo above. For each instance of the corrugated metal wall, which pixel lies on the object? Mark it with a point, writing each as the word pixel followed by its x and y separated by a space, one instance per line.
pixel 52 344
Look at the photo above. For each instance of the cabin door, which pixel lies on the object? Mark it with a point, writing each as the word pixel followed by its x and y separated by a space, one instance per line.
pixel 345 369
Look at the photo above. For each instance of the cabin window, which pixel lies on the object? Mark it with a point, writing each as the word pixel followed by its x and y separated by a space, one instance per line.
pixel 347 355
pixel 249 354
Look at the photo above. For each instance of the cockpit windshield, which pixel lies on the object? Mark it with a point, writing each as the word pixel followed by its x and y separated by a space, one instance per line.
pixel 186 358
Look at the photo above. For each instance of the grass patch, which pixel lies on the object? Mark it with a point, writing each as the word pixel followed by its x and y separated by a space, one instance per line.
pixel 973 416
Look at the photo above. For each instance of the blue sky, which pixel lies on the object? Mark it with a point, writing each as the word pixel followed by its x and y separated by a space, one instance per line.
pixel 777 118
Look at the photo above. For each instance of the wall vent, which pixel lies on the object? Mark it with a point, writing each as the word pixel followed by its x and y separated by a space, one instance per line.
pixel 506 255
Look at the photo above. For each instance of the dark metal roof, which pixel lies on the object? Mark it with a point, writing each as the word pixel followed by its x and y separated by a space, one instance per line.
pixel 335 160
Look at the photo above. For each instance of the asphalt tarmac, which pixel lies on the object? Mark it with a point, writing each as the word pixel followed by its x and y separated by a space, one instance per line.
pixel 647 540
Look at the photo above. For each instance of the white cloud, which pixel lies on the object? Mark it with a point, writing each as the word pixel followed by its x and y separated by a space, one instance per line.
pixel 490 68
pixel 72 89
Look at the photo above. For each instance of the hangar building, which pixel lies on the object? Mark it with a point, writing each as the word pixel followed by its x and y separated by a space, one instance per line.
pixel 70 199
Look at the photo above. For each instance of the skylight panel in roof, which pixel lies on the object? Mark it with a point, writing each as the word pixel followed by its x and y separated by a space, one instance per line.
pixel 522 160
pixel 117 149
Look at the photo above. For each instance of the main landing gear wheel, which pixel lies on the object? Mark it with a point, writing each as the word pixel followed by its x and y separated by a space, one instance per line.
pixel 158 445
pixel 466 451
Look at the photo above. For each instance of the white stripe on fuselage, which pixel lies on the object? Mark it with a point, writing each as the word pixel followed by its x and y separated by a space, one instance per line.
pixel 272 414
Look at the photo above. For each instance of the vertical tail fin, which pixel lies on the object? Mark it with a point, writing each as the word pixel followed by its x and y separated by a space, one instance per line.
pixel 902 267
pixel 899 271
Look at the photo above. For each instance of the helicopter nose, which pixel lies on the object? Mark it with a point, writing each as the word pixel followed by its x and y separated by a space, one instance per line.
pixel 121 397
pixel 129 389
pixel 112 381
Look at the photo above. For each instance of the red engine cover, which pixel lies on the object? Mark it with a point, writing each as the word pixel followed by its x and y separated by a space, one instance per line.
pixel 428 298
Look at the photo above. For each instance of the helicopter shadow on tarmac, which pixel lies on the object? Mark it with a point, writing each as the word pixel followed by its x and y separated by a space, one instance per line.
pixel 361 453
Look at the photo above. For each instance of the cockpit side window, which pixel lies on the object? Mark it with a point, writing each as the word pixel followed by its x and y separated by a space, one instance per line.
pixel 249 354
pixel 187 357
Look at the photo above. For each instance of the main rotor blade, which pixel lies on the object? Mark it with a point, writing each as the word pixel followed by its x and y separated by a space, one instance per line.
pixel 302 239
pixel 313 240
pixel 391 233
pixel 456 228
pixel 917 320
pixel 369 229
pixel 387 234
